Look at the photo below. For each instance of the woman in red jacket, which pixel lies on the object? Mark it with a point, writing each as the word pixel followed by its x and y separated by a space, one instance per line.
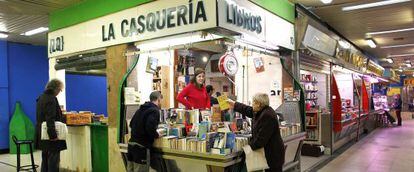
pixel 194 95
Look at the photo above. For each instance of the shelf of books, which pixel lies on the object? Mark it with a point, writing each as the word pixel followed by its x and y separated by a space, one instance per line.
pixel 313 130
pixel 205 133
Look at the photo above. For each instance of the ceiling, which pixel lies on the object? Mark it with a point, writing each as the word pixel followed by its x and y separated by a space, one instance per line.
pixel 354 25
pixel 19 16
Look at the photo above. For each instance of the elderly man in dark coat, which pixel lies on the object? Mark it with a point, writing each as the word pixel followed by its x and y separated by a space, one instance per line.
pixel 265 130
pixel 48 110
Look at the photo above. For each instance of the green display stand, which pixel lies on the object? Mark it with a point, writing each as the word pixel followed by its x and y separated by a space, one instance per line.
pixel 99 143
pixel 21 127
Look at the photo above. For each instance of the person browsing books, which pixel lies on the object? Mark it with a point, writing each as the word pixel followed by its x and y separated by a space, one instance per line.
pixel 48 110
pixel 265 130
pixel 194 95
pixel 144 126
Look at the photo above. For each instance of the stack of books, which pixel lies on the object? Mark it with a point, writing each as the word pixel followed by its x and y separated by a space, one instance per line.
pixel 240 143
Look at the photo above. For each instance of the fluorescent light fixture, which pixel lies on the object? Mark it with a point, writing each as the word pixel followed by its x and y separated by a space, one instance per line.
pixel 374 4
pixel 35 31
pixel 371 43
pixel 3 35
pixel 401 55
pixel 389 60
pixel 344 44
pixel 390 31
pixel 326 1
pixel 398 46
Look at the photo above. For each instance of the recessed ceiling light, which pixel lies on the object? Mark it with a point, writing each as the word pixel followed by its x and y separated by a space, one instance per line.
pixel 374 4
pixel 3 35
pixel 390 31
pixel 397 46
pixel 371 43
pixel 326 1
pixel 205 59
pixel 401 55
pixel 35 31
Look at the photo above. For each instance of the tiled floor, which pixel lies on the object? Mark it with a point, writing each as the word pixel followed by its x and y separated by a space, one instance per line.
pixel 307 162
pixel 11 159
pixel 384 150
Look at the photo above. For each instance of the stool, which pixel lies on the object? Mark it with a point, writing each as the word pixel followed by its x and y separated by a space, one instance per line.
pixel 18 144
pixel 147 160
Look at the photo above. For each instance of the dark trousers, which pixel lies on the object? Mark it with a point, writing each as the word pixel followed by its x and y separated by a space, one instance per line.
pixel 50 161
pixel 398 112
pixel 389 117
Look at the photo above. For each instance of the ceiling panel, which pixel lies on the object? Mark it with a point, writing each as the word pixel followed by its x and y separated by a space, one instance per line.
pixel 19 16
pixel 355 25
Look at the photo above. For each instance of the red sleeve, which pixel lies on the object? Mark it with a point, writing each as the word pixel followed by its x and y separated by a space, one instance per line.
pixel 182 97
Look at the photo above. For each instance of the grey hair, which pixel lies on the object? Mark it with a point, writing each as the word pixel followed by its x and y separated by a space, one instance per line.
pixel 54 85
pixel 262 99
pixel 155 95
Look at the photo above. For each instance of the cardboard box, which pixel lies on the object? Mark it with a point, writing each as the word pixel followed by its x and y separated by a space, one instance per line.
pixel 78 119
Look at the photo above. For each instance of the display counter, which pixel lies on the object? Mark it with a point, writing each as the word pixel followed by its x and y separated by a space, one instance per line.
pixel 195 161
pixel 87 148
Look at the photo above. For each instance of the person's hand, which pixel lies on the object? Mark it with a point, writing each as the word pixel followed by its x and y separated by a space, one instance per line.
pixel 231 103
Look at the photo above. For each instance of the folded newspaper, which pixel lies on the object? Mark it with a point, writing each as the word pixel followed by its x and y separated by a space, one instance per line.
pixel 61 131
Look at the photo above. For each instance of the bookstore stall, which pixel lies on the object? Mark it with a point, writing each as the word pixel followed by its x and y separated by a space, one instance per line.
pixel 241 56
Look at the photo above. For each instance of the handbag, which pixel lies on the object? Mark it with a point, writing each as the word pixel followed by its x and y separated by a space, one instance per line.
pixel 61 131
pixel 255 159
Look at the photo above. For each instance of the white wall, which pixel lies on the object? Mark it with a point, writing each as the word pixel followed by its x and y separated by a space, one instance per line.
pixel 345 86
pixel 58 74
pixel 145 80
pixel 254 82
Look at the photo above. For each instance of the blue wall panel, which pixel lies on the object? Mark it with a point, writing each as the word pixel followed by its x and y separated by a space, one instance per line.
pixel 28 74
pixel 86 93
pixel 4 97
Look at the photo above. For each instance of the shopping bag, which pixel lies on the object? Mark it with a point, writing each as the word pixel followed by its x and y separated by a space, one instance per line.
pixel 61 131
pixel 255 159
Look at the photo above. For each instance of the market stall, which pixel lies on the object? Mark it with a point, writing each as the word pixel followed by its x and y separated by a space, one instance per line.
pixel 240 59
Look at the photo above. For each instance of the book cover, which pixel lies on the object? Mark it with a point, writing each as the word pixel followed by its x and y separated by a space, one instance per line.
pixel 222 100
pixel 203 130
pixel 230 139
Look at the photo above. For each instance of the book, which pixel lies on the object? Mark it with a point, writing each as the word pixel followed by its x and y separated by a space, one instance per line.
pixel 222 140
pixel 215 151
pixel 230 139
pixel 210 138
pixel 222 100
pixel 182 144
pixel 202 130
pixel 216 116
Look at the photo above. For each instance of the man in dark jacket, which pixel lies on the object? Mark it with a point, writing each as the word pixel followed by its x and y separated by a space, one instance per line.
pixel 398 107
pixel 265 130
pixel 48 110
pixel 210 91
pixel 144 126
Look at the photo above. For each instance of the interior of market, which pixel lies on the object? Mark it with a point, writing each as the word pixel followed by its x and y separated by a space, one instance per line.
pixel 213 75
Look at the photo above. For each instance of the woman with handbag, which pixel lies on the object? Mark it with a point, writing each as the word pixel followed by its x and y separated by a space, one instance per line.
pixel 265 130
